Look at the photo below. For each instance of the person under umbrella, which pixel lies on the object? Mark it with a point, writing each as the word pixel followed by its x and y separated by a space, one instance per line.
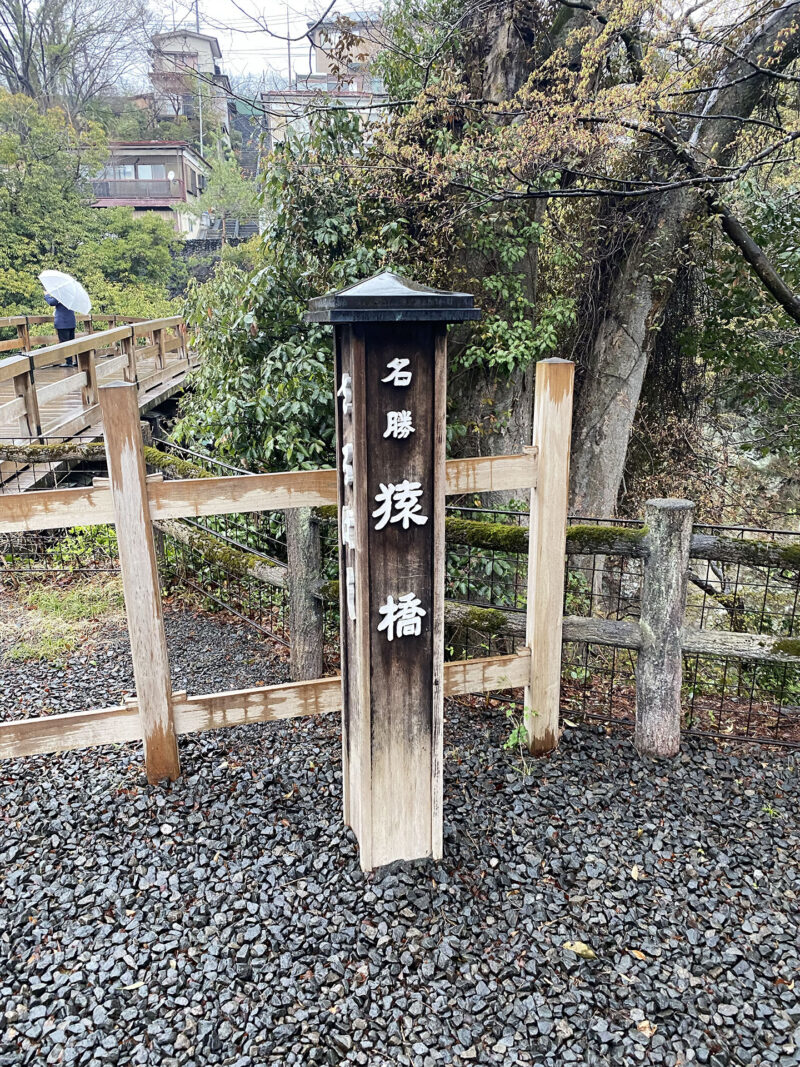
pixel 64 321
pixel 66 295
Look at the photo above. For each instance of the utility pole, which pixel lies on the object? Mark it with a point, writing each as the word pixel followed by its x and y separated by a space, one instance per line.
pixel 199 78
pixel 289 45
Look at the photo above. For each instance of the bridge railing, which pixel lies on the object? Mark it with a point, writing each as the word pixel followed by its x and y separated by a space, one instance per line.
pixel 147 352
pixel 26 325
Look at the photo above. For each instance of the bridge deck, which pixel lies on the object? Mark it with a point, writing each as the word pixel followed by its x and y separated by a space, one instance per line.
pixel 65 413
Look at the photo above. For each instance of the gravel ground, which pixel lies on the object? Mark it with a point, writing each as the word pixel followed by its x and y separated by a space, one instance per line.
pixel 225 920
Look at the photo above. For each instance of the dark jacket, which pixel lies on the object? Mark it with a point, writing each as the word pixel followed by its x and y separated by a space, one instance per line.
pixel 64 317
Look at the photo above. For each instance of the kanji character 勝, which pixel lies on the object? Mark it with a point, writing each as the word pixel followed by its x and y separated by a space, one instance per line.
pixel 398 375
pixel 399 503
pixel 402 618
pixel 399 424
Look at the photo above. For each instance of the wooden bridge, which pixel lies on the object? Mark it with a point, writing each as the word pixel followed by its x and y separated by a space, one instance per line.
pixel 43 400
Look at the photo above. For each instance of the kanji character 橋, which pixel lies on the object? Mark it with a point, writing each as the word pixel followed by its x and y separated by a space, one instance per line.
pixel 402 618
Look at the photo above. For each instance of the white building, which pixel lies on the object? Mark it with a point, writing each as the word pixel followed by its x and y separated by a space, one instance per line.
pixel 187 77
pixel 346 83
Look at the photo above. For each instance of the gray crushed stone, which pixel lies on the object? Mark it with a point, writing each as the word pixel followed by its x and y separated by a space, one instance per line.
pixel 225 920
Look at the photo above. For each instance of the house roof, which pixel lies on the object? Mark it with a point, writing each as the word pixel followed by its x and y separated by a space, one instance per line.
pixel 156 146
pixel 190 34
pixel 292 94
pixel 358 18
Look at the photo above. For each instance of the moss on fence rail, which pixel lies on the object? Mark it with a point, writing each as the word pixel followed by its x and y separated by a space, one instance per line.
pixel 167 464
pixel 214 551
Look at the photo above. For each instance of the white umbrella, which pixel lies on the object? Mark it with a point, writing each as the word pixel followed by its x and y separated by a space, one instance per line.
pixel 66 291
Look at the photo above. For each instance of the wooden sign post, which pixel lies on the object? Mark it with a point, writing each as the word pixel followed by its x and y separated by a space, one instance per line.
pixel 391 371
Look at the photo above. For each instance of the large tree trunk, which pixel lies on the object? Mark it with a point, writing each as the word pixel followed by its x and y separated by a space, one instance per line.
pixel 495 405
pixel 622 339
pixel 624 329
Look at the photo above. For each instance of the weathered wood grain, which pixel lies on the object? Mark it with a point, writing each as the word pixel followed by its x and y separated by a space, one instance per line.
pixel 216 711
pixel 303 578
pixel 659 666
pixel 552 426
pixel 71 384
pixel 140 581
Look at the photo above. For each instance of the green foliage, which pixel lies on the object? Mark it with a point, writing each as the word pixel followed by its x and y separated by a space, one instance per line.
pixel 41 193
pixel 741 334
pixel 55 620
pixel 263 393
pixel 228 194
pixel 127 249
pixel 426 35
pixel 125 261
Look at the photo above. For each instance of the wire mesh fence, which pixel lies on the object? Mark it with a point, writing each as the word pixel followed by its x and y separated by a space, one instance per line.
pixel 723 697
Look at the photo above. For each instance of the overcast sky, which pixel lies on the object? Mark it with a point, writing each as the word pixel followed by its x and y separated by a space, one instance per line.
pixel 245 50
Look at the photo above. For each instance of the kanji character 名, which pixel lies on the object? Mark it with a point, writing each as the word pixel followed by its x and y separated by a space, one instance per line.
pixel 402 618
pixel 399 424
pixel 399 503
pixel 398 375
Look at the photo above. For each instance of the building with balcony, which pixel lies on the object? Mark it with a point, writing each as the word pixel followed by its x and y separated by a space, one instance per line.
pixel 341 80
pixel 154 176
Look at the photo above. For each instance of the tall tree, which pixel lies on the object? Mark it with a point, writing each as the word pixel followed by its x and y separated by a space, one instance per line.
pixel 228 196
pixel 70 51
pixel 648 113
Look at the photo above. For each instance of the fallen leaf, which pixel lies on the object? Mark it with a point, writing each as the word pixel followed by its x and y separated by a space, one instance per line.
pixel 646 1027
pixel 636 874
pixel 580 948
pixel 639 955
pixel 134 985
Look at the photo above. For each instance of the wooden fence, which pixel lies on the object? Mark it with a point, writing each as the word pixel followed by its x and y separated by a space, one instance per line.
pixel 135 501
pixel 99 356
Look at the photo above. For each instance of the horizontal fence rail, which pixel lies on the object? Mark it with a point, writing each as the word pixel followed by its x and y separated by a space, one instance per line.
pixel 216 711
pixel 192 498
pixel 25 325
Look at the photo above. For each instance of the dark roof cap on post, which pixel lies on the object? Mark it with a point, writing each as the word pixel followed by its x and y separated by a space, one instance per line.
pixel 389 297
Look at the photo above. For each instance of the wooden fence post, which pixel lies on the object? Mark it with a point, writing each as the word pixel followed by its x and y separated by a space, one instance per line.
pixel 552 427
pixel 87 366
pixel 24 335
pixel 158 536
pixel 306 623
pixel 126 470
pixel 659 666
pixel 158 341
pixel 128 345
pixel 30 423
